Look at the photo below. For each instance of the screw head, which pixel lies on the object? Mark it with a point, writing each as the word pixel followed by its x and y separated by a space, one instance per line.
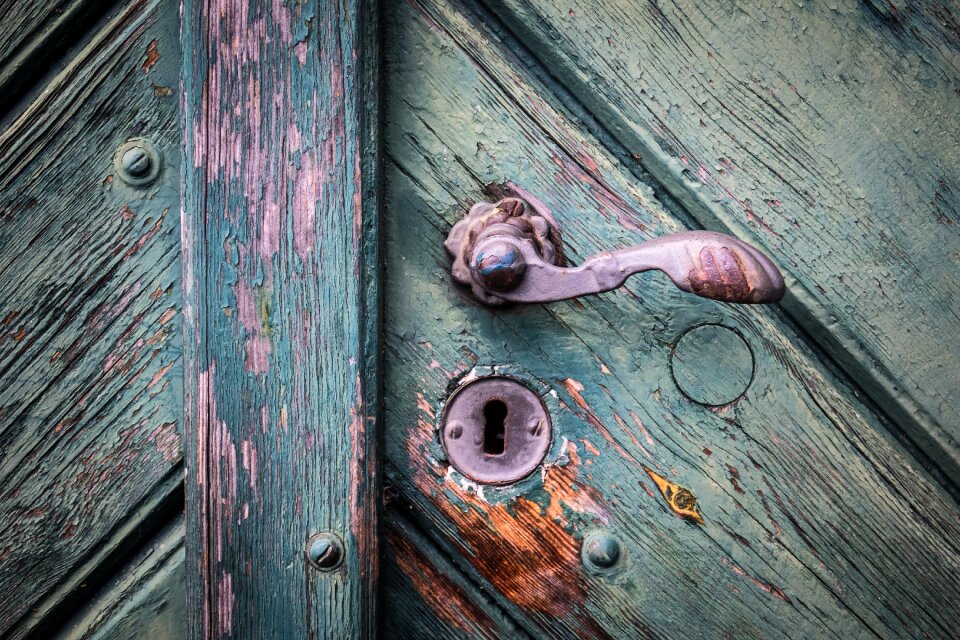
pixel 324 551
pixel 499 265
pixel 536 428
pixel 454 431
pixel 601 552
pixel 137 162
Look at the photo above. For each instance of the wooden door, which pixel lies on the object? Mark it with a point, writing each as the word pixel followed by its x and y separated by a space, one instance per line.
pixel 817 436
pixel 745 471
pixel 91 495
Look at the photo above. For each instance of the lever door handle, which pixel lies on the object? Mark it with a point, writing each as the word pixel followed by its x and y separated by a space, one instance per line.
pixel 510 251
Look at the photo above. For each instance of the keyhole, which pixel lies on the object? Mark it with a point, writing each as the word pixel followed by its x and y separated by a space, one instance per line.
pixel 494 427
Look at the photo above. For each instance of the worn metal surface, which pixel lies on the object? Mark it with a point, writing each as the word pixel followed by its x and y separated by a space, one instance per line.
pixel 280 307
pixel 519 441
pixel 824 133
pixel 90 379
pixel 137 162
pixel 507 250
pixel 788 512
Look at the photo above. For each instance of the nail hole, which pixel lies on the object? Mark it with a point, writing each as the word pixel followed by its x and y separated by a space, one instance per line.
pixel 494 427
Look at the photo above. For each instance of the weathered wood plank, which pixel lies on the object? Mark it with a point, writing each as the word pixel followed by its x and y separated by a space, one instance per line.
pixel 279 249
pixel 147 599
pixel 815 522
pixel 426 597
pixel 89 334
pixel 35 32
pixel 827 133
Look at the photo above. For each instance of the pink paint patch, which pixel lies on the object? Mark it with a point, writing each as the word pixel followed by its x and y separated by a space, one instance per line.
pixel 246 306
pixel 225 604
pixel 167 441
pixel 257 358
pixel 248 459
pixel 305 205
pixel 300 50
pixel 270 229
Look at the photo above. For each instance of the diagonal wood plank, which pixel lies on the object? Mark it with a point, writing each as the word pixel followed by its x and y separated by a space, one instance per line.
pixel 33 33
pixel 279 254
pixel 147 599
pixel 89 330
pixel 426 597
pixel 827 134
pixel 815 522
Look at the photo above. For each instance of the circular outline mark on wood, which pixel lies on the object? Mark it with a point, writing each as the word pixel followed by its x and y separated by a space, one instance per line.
pixel 712 364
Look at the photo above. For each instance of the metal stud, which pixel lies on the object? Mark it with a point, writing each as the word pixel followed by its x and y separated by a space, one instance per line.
pixel 137 162
pixel 601 553
pixel 324 551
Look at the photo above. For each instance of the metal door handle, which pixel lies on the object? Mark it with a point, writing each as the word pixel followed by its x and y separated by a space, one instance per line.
pixel 510 251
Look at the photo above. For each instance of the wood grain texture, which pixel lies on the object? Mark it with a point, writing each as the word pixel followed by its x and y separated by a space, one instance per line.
pixel 146 599
pixel 815 523
pixel 825 132
pixel 426 597
pixel 35 32
pixel 90 387
pixel 279 254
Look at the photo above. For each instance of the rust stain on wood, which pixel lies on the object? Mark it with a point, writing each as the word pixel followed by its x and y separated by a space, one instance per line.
pixel 680 499
pixel 565 487
pixel 153 55
pixel 518 546
pixel 575 389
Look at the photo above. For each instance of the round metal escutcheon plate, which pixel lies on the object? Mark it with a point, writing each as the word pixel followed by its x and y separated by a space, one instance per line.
pixel 495 430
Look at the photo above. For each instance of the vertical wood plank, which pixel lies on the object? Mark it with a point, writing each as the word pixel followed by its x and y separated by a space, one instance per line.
pixel 279 239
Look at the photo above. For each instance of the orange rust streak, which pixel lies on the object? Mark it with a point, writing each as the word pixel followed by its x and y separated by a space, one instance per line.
pixel 589 447
pixel 560 481
pixel 529 558
pixel 523 552
pixel 153 55
pixel 574 388
pixel 623 425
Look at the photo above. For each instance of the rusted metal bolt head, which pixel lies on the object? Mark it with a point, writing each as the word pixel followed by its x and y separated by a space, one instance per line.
pixel 325 551
pixel 136 162
pixel 601 551
pixel 499 265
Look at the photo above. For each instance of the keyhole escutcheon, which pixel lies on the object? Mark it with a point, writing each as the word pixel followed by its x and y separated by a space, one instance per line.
pixel 495 430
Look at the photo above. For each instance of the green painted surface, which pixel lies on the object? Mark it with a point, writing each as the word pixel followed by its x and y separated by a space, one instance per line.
pixel 90 379
pixel 280 299
pixel 815 523
pixel 824 132
pixel 712 364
